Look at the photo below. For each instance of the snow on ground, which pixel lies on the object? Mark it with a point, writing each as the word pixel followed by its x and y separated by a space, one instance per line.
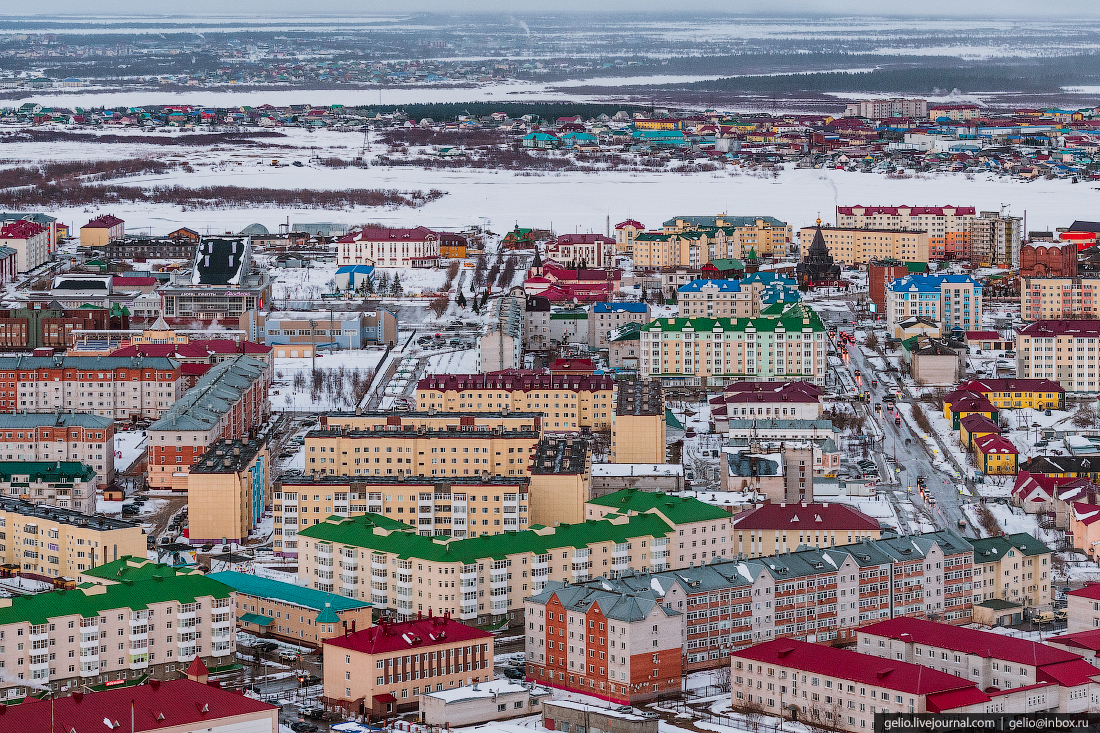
pixel 115 507
pixel 454 362
pixel 130 445
pixel 1013 520
pixel 290 398
pixel 562 200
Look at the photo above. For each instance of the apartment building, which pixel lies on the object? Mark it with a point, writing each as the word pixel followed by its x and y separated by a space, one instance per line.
pixel 1046 298
pixel 717 299
pixel 1014 568
pixel 624 647
pixel 718 351
pixel 737 236
pixel 587 400
pixel 497 444
pixel 842 689
pixel 62 436
pixel 1060 350
pixel 483 578
pixel 228 489
pixel 692 518
pixel 638 430
pixel 954 112
pixel 858 246
pixel 772 529
pixel 114 387
pixel 583 250
pixel 416 247
pixel 878 109
pixel 938 221
pixel 95 634
pixel 56 542
pixel 101 230
pixel 625 231
pixel 1083 609
pixel 382 670
pixel 501 347
pixel 561 479
pixel 1035 394
pixel 291 613
pixel 62 484
pixel 229 402
pixel 31 242
pixel 991 661
pixel 995 239
pixel 950 301
pixel 605 320
pixel 447 507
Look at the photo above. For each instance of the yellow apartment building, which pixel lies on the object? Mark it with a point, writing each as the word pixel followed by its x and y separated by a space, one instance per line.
pixel 1036 394
pixel 561 480
pixel 638 434
pixel 854 246
pixel 460 506
pixel 1012 567
pixel 585 400
pixel 60 543
pixel 703 531
pixel 1059 297
pixel 228 489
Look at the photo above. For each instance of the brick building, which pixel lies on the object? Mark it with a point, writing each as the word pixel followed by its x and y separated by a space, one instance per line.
pixel 61 436
pixel 880 273
pixel 1048 259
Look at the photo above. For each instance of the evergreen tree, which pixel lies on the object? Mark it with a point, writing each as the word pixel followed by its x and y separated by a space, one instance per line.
pixel 369 286
pixel 396 290
pixel 461 300
pixel 384 284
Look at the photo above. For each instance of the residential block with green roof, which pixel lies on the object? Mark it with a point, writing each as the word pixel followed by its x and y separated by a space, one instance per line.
pixel 783 346
pixel 1012 567
pixel 294 613
pixel 480 579
pixel 95 632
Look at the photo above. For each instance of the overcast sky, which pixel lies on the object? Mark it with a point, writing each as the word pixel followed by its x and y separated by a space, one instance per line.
pixel 993 10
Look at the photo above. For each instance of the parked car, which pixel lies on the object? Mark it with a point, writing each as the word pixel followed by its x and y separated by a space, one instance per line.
pixel 267 646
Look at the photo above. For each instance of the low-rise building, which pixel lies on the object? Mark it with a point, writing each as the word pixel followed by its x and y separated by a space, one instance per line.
pixel 640 641
pixel 298 334
pixel 482 702
pixel 772 529
pixel 60 543
pixel 797 400
pixel 1012 567
pixel 1034 394
pixel 99 633
pixel 98 232
pixel 383 670
pixel 223 283
pixel 62 436
pixel 228 489
pixel 289 612
pixel 1083 608
pixel 415 247
pixel 607 478
pixel 996 455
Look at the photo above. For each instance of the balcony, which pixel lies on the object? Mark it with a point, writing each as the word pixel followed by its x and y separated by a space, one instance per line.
pixel 34 667
pixel 324 548
pixel 350 565
pixel 87 642
pixel 349 580
pixel 139 661
pixel 89 669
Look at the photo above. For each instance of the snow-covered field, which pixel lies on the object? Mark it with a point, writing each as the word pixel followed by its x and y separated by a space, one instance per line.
pixel 579 201
pixel 130 445
pixel 294 399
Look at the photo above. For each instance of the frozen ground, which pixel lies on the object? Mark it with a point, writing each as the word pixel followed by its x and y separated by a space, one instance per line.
pixel 562 200
pixel 298 400
pixel 115 507
pixel 130 445
pixel 454 362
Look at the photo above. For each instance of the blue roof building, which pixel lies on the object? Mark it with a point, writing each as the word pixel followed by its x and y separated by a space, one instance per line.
pixel 951 301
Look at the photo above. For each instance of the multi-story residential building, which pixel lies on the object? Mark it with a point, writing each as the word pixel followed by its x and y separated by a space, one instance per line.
pixel 1048 298
pixel 737 235
pixel 858 246
pixel 588 398
pixel 1034 394
pixel 223 283
pixel 722 350
pixel 583 250
pixel 66 484
pixel 843 689
pixel 230 401
pixel 501 347
pixel 30 241
pixel 417 247
pixel 1083 609
pixel 951 301
pixel 717 299
pixel 561 479
pixel 995 239
pixel 1063 351
pixel 382 670
pixel 704 532
pixel 937 221
pixel 878 109
pixel 955 112
pixel 622 646
pixel 61 436
pixel 98 232
pixel 492 574
pixel 1014 568
pixel 290 612
pixel 991 661
pixel 625 231
pixel 443 444
pixel 298 334
pixel 228 489
pixel 605 319
pixel 56 542
pixel 638 431
pixel 449 508
pixel 94 634
pixel 772 529
pixel 114 387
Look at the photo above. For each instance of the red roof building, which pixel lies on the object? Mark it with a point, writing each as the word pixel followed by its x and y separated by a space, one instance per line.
pixel 593 250
pixel 107 221
pixel 811 518
pixel 181 706
pixel 416 247
pixel 385 668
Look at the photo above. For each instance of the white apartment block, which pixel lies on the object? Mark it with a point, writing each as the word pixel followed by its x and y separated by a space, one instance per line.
pixel 1063 351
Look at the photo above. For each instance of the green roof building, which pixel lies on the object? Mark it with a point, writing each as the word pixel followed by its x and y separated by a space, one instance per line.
pixel 132 568
pixel 673 509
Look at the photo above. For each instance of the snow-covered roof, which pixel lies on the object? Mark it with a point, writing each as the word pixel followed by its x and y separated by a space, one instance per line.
pixel 483 690
pixel 637 469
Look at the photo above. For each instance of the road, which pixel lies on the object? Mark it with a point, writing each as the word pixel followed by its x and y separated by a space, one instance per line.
pixel 912 458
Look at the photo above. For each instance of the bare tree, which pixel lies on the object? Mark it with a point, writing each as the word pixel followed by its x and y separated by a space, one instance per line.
pixel 722 679
pixel 872 341
pixel 987 521
pixel 750 710
pixel 452 273
pixel 1084 417
pixel 439 305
